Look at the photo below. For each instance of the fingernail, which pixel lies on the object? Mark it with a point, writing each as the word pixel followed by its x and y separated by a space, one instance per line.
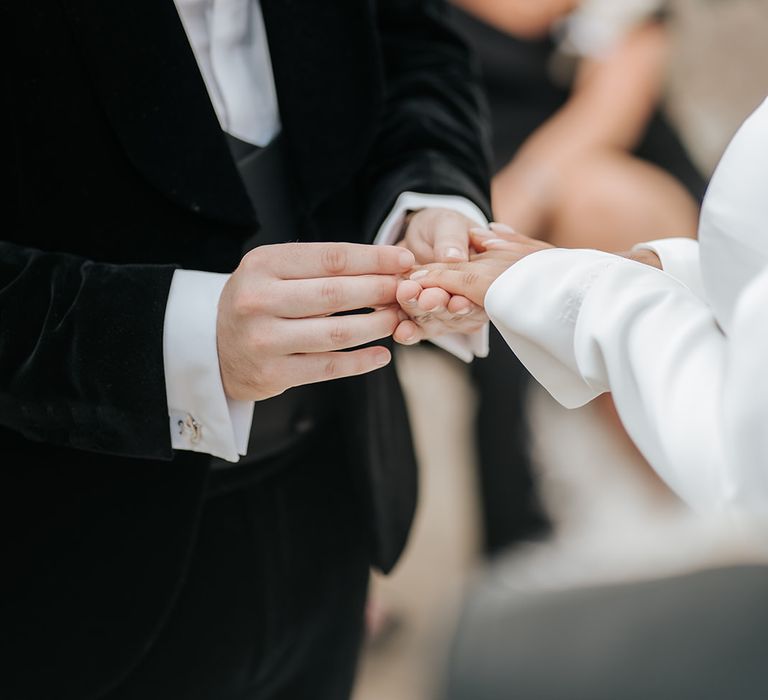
pixel 494 241
pixel 453 254
pixel 382 358
pixel 419 274
pixel 406 259
pixel 463 312
pixel 501 228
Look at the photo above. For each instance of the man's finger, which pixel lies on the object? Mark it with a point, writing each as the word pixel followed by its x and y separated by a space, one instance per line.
pixel 312 260
pixel 325 366
pixel 434 299
pixel 408 293
pixel 451 239
pixel 408 333
pixel 313 335
pixel 461 306
pixel 318 297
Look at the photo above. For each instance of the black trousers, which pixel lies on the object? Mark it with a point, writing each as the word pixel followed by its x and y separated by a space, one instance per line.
pixel 272 606
pixel 702 636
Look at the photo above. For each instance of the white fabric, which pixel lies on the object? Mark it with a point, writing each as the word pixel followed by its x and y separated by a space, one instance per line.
pixel 679 258
pixel 192 378
pixel 688 374
pixel 229 41
pixel 597 26
pixel 465 347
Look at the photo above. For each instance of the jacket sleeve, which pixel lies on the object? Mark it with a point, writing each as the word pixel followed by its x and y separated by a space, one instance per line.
pixel 433 136
pixel 693 399
pixel 81 352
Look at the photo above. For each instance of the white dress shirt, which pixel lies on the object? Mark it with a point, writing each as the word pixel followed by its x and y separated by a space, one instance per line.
pixel 684 351
pixel 229 41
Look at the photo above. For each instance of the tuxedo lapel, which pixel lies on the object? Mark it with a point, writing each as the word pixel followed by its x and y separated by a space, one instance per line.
pixel 154 96
pixel 328 86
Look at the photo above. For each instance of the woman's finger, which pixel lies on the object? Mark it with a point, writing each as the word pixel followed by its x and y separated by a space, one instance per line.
pixel 467 282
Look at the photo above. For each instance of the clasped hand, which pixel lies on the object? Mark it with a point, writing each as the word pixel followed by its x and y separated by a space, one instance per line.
pixel 495 251
pixel 279 326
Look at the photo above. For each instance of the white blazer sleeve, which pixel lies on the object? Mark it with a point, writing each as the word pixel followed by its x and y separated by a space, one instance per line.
pixel 585 322
pixel 679 258
pixel 745 399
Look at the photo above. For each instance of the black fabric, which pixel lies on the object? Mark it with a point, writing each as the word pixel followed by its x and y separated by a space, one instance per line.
pixel 701 636
pixel 118 174
pixel 521 97
pixel 266 178
pixel 511 510
pixel 272 605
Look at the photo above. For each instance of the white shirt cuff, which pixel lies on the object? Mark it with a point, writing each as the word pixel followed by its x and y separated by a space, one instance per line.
pixel 680 259
pixel 390 231
pixel 465 347
pixel 202 418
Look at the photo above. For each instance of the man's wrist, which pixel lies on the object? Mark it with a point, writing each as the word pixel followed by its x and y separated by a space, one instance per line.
pixel 406 223
pixel 391 230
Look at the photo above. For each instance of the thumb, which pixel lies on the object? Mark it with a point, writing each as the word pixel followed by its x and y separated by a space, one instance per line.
pixel 451 239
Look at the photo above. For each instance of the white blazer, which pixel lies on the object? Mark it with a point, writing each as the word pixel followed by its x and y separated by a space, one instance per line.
pixel 684 351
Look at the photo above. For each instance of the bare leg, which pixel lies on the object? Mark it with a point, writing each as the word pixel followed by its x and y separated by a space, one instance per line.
pixel 615 201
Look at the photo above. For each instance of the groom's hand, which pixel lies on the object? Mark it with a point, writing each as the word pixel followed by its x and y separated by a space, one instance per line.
pixel 436 235
pixel 275 329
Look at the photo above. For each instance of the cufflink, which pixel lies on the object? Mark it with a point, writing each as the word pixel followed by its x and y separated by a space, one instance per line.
pixel 190 428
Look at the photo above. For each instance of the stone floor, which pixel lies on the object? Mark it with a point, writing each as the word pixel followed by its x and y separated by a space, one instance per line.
pixel 719 73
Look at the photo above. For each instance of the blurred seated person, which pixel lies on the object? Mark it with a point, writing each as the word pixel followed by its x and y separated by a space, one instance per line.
pixel 677 330
pixel 566 171
pixel 583 160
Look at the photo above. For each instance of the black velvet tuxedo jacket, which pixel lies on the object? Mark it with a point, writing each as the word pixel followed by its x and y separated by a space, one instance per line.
pixel 116 174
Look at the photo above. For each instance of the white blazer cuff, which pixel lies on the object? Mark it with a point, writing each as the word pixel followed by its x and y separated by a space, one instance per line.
pixel 535 305
pixel 202 418
pixel 465 347
pixel 679 258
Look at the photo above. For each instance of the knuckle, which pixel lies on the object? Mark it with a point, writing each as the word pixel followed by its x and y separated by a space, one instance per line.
pixel 332 293
pixel 330 368
pixel 386 289
pixel 259 345
pixel 381 257
pixel 470 278
pixel 253 258
pixel 243 303
pixel 334 259
pixel 339 334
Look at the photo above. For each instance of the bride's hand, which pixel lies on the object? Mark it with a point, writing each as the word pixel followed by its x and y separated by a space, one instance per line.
pixel 498 249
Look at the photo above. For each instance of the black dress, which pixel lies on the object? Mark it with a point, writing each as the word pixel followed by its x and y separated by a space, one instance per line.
pixel 521 96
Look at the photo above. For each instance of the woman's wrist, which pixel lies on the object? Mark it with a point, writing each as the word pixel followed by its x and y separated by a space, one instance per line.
pixel 644 256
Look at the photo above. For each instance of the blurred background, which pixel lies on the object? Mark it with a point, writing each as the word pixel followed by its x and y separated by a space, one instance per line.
pixel 609 117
